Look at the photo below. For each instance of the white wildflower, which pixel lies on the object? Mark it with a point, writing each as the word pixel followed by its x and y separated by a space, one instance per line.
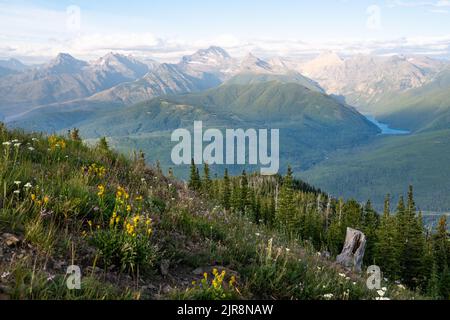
pixel 31 148
pixel 5 274
pixel 27 185
pixel 17 182
pixel 50 277
pixel 328 296
pixel 16 191
pixel 343 275
pixel 400 286
pixel 381 293
pixel 16 145
pixel 6 143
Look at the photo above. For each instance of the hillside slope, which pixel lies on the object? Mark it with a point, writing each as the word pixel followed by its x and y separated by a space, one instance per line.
pixel 137 234
pixel 311 124
pixel 387 165
pixel 422 109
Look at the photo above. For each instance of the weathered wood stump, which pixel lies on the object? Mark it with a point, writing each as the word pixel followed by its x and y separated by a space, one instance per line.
pixel 353 251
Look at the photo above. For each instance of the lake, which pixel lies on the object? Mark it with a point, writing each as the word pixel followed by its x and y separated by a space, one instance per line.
pixel 385 127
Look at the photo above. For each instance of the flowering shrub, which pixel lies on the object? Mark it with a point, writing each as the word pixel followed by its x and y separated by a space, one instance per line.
pixel 214 288
pixel 56 143
pixel 126 239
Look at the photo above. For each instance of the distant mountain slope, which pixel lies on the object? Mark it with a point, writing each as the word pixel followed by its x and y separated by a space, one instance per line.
pixel 6 72
pixel 311 124
pixel 65 78
pixel 13 64
pixel 287 77
pixel 421 109
pixel 363 79
pixel 274 101
pixel 388 165
pixel 123 80
pixel 213 60
pixel 165 79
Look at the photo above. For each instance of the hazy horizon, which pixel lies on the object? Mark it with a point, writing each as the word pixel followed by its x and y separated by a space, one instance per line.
pixel 167 30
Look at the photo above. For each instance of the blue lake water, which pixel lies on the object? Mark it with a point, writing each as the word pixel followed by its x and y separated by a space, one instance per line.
pixel 384 127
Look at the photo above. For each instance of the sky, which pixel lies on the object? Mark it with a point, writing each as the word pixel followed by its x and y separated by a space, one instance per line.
pixel 164 30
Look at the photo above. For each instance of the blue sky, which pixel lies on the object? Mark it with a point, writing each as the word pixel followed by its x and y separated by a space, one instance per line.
pixel 165 30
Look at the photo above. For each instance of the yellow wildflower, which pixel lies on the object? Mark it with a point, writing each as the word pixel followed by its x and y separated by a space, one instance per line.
pixel 101 190
pixel 232 281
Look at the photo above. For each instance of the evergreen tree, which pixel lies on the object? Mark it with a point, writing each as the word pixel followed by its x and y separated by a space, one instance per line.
pixel 103 144
pixel 411 242
pixel 286 207
pixel 271 209
pixel 194 179
pixel 158 167
pixel 353 214
pixel 244 194
pixel 370 225
pixel 441 245
pixel 226 191
pixel 206 183
pixel 235 195
pixel 386 250
pixel 441 255
pixel 335 235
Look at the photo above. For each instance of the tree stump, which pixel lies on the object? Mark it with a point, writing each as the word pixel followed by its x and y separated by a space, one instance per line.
pixel 352 253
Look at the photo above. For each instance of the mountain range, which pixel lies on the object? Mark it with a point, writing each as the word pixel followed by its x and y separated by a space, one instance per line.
pixel 318 105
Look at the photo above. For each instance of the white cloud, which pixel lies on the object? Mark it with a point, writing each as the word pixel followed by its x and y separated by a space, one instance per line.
pixel 39 34
pixel 439 11
pixel 148 46
pixel 443 3
pixel 374 18
pixel 411 4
